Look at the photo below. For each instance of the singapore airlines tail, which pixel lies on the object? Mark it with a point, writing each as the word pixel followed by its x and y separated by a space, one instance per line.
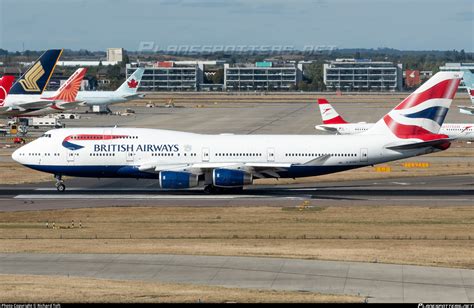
pixel 329 114
pixel 421 114
pixel 35 79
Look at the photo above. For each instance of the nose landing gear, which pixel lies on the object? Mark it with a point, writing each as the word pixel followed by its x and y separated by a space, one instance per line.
pixel 60 183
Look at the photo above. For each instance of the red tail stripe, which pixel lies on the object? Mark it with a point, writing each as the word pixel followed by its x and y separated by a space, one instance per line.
pixel 403 131
pixel 322 101
pixel 335 120
pixel 471 91
pixel 444 89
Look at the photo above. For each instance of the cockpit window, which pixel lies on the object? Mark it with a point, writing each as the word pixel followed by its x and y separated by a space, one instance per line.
pixel 46 135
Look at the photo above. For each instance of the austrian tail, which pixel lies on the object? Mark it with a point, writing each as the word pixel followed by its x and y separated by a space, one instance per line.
pixel 328 113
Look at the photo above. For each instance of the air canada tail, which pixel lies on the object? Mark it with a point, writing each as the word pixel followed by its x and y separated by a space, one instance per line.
pixel 5 86
pixel 468 78
pixel 36 78
pixel 68 91
pixel 328 113
pixel 421 114
pixel 131 84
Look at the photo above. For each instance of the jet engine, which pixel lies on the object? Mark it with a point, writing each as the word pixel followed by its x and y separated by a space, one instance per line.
pixel 176 180
pixel 230 178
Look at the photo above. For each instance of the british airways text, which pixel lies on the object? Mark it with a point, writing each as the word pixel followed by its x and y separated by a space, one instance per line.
pixel 136 148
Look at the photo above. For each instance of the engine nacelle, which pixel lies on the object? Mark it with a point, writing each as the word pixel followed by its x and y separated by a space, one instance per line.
pixel 230 178
pixel 176 180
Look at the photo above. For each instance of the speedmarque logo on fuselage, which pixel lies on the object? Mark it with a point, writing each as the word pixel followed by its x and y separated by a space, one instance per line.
pixel 70 143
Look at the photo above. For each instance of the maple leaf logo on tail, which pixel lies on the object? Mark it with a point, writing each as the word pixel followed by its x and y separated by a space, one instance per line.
pixel 132 84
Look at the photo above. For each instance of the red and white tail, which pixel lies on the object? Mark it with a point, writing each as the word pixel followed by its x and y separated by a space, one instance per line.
pixel 6 83
pixel 328 113
pixel 421 114
pixel 68 91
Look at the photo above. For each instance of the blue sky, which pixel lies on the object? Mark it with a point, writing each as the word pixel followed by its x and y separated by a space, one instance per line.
pixel 99 24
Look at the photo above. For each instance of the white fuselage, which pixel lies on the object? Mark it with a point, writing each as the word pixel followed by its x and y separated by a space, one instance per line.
pixel 142 153
pixel 459 131
pixel 21 105
pixel 91 98
pixel 17 100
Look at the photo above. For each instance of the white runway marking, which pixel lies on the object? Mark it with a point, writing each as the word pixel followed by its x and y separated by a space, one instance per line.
pixel 171 197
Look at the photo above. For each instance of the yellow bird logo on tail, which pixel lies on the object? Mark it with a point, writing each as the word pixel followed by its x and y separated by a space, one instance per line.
pixel 30 81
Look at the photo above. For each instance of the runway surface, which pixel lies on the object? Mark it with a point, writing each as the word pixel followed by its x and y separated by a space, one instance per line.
pixel 432 191
pixel 377 282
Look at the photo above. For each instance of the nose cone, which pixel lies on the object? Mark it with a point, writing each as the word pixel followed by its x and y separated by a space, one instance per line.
pixel 16 155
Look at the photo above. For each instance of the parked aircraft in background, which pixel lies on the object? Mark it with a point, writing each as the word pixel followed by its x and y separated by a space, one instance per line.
pixel 223 162
pixel 334 123
pixel 25 94
pixel 6 83
pixel 127 91
pixel 468 78
pixel 63 99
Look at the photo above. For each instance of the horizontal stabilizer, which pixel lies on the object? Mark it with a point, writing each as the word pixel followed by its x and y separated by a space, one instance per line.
pixel 443 143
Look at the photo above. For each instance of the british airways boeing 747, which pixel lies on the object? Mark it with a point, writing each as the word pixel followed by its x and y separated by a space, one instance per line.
pixel 220 162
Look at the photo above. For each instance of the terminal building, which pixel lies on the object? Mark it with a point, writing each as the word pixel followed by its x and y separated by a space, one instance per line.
pixel 363 75
pixel 266 76
pixel 172 75
pixel 458 67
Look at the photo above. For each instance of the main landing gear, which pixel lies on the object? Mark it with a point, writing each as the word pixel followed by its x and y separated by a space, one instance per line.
pixel 211 189
pixel 60 183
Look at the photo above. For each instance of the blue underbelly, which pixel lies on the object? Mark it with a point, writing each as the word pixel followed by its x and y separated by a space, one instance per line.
pixel 133 172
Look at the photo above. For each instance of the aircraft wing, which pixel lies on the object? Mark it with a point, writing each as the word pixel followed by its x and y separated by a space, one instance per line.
pixel 325 128
pixel 466 109
pixel 34 105
pixel 70 105
pixel 258 169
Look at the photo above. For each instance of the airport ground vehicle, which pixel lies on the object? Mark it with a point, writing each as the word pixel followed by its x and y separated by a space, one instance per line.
pixel 37 122
pixel 70 116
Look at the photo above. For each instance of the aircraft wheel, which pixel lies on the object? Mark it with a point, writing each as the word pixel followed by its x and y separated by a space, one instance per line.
pixel 61 187
pixel 209 189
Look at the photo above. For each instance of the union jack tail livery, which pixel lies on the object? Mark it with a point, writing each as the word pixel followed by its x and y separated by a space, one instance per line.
pixel 35 79
pixel 68 91
pixel 5 86
pixel 329 114
pixel 421 114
